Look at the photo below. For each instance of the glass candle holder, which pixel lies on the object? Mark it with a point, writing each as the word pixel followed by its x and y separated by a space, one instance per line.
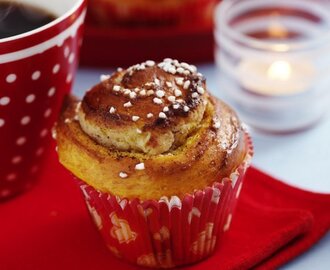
pixel 274 61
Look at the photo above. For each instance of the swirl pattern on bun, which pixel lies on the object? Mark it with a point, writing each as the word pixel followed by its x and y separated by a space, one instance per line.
pixel 149 131
pixel 147 108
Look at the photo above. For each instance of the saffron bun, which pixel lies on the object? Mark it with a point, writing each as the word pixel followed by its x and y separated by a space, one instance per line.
pixel 150 131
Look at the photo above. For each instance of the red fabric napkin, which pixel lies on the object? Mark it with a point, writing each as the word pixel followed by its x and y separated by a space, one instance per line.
pixel 50 228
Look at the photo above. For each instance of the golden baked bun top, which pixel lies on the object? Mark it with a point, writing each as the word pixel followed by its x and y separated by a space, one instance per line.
pixel 150 108
pixel 120 139
pixel 210 154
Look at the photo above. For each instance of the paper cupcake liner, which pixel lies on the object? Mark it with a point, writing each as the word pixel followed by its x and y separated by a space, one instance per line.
pixel 109 12
pixel 169 232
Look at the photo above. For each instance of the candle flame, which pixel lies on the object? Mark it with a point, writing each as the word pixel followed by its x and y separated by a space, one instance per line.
pixel 279 70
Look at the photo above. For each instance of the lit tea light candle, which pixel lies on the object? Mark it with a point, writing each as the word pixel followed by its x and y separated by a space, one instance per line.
pixel 274 61
pixel 279 70
pixel 277 78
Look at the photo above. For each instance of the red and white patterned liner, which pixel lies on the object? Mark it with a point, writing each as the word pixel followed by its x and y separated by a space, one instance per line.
pixel 169 232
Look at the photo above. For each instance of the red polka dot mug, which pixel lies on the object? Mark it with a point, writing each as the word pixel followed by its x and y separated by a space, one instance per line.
pixel 36 72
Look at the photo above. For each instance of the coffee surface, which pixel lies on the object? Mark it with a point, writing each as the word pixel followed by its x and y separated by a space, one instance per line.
pixel 16 18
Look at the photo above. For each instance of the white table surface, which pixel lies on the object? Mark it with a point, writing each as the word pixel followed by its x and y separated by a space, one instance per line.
pixel 301 159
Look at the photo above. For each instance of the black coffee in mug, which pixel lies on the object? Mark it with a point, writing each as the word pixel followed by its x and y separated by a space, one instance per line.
pixel 17 18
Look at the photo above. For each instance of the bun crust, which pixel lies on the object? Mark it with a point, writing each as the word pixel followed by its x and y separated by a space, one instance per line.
pixel 150 131
pixel 209 154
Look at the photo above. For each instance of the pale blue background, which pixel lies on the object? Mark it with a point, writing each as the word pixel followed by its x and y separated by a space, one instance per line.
pixel 301 159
